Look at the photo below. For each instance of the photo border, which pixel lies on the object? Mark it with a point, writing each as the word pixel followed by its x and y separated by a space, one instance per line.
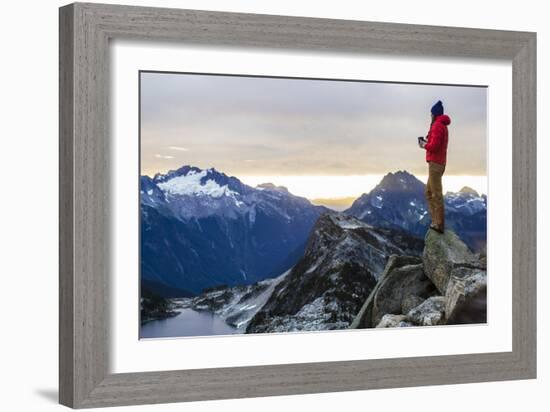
pixel 252 76
pixel 85 32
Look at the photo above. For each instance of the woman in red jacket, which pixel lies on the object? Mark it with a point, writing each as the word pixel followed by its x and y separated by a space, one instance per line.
pixel 436 156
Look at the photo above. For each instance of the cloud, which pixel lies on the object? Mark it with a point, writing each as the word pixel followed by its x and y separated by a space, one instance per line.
pixel 263 126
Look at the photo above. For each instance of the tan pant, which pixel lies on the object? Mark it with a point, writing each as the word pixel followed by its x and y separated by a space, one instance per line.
pixel 434 194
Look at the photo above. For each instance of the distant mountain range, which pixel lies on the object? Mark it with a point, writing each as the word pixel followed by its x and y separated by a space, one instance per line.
pixel 202 229
pixel 398 202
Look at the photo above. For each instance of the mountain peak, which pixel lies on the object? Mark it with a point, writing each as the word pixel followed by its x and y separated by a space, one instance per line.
pixel 272 186
pixel 468 190
pixel 398 181
pixel 403 173
pixel 184 171
pixel 192 180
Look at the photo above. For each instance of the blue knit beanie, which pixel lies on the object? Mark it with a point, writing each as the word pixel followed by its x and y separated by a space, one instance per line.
pixel 437 109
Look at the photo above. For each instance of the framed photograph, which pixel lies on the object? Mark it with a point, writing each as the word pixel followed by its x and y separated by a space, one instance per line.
pixel 257 205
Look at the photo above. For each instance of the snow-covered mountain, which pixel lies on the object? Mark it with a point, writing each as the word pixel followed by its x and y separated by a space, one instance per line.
pixel 466 201
pixel 202 228
pixel 398 202
pixel 326 288
pixel 190 192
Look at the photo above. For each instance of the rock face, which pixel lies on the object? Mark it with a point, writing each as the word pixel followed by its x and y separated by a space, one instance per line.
pixel 431 312
pixel 410 302
pixel 399 286
pixel 393 321
pixel 364 317
pixel 442 253
pixel 342 264
pixel 447 286
pixel 353 275
pixel 467 296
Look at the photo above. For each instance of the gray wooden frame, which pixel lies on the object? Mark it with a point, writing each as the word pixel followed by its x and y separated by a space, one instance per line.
pixel 85 31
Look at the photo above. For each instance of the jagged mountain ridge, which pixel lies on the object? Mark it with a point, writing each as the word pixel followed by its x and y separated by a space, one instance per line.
pixel 447 286
pixel 202 228
pixel 398 201
pixel 351 276
pixel 325 289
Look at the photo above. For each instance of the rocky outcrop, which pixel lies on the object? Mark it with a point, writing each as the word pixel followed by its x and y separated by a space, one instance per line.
pixel 442 253
pixel 431 312
pixel 364 317
pixel 467 296
pixel 343 262
pixel 399 286
pixel 410 302
pixel 353 275
pixel 447 286
pixel 393 321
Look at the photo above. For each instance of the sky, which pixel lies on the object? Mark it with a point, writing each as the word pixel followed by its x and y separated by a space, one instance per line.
pixel 320 138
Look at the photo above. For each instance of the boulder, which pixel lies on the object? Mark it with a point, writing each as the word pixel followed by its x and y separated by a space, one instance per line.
pixel 397 286
pixel 363 319
pixel 396 261
pixel 431 312
pixel 442 253
pixel 466 296
pixel 411 302
pixel 447 286
pixel 393 321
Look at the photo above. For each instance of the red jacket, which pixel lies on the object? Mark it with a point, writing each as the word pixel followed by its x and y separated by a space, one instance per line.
pixel 438 138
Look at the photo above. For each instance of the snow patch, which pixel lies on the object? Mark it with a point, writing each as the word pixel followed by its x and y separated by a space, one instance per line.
pixel 350 225
pixel 347 222
pixel 377 202
pixel 190 184
pixel 313 268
